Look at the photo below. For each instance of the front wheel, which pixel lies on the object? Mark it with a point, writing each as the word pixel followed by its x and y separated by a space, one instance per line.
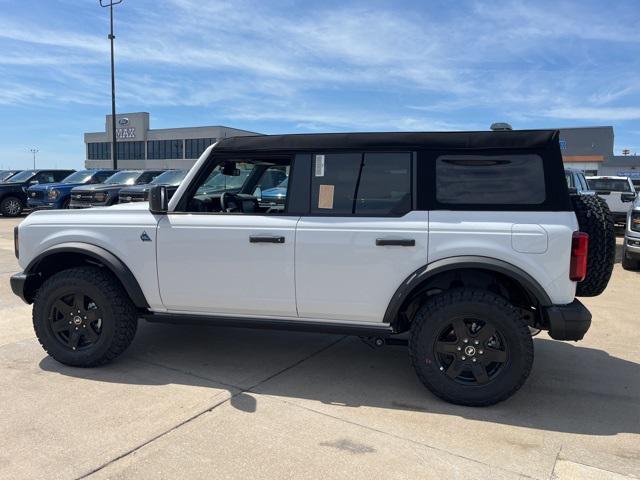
pixel 11 207
pixel 83 318
pixel 471 347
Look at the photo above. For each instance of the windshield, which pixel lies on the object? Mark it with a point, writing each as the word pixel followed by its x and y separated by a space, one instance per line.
pixel 217 182
pixel 5 175
pixel 609 184
pixel 79 177
pixel 123 178
pixel 172 177
pixel 22 177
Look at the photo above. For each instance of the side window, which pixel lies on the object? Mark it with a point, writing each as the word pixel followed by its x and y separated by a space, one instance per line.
pixel 361 184
pixel 101 177
pixel 45 177
pixel 490 180
pixel 272 177
pixel 59 176
pixel 583 182
pixel 385 184
pixel 147 177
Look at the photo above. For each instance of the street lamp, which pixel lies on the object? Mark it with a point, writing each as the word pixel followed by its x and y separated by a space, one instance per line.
pixel 114 150
pixel 34 151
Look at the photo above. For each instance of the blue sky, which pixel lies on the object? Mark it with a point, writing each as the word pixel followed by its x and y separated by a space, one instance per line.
pixel 284 66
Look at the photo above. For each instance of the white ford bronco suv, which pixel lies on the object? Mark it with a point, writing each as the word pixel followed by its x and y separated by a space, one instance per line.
pixel 463 240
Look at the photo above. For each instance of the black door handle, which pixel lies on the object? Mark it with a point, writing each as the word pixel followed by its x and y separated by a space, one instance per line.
pixel 265 239
pixel 404 242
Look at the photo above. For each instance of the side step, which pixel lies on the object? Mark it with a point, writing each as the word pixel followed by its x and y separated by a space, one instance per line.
pixel 374 330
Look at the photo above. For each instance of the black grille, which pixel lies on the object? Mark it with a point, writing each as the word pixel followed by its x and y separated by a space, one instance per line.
pixel 82 197
pixel 133 197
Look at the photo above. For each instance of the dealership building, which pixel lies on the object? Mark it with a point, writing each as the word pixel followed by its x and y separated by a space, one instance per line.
pixel 590 149
pixel 141 147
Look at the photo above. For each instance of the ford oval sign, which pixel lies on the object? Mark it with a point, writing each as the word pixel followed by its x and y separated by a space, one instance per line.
pixel 123 122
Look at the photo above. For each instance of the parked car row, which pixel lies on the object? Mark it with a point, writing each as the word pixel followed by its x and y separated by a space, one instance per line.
pixel 60 189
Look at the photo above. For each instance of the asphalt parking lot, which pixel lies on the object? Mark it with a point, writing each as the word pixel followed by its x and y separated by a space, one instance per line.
pixel 195 402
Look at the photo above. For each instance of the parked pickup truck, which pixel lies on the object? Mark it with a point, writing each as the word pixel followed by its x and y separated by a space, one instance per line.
pixel 618 192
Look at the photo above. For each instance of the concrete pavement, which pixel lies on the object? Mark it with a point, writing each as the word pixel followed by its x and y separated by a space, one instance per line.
pixel 196 402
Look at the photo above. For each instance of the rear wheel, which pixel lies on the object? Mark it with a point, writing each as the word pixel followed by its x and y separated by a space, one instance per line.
pixel 82 317
pixel 11 206
pixel 471 347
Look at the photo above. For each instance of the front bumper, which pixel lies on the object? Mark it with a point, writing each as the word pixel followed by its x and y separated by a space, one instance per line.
pixel 40 205
pixel 19 285
pixel 568 322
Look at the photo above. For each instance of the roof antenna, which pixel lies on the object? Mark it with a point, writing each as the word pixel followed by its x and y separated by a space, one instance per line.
pixel 500 127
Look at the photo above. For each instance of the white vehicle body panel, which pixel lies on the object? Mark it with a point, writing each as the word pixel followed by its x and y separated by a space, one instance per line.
pixel 115 229
pixel 340 272
pixel 207 264
pixel 513 237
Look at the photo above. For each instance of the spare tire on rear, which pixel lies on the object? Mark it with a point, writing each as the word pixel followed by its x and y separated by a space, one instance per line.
pixel 595 219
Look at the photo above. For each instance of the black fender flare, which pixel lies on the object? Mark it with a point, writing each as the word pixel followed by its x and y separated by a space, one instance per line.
pixel 425 272
pixel 101 256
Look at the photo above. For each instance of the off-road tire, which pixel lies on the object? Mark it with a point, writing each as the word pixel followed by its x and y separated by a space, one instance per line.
pixel 595 219
pixel 435 315
pixel 6 206
pixel 629 263
pixel 119 317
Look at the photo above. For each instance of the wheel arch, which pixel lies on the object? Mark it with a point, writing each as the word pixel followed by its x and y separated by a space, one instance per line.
pixel 416 285
pixel 66 255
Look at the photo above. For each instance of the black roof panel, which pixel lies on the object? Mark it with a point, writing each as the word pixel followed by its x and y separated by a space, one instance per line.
pixel 391 140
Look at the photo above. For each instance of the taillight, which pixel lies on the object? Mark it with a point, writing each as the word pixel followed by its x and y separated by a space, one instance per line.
pixel 579 250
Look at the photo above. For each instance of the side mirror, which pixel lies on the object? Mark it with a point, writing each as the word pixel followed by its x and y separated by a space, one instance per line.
pixel 627 197
pixel 258 193
pixel 34 182
pixel 158 200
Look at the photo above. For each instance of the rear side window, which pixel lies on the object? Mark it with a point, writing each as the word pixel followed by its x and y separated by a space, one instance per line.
pixel 367 184
pixel 490 180
pixel 609 184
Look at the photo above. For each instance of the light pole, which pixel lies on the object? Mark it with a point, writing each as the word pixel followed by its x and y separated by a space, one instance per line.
pixel 34 151
pixel 114 150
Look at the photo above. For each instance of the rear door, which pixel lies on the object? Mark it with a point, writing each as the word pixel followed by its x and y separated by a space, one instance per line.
pixel 362 237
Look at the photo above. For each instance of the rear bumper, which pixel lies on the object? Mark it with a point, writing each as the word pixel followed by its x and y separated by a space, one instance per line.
pixel 19 285
pixel 568 322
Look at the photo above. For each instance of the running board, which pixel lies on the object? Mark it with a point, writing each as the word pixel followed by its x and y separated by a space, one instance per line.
pixel 374 330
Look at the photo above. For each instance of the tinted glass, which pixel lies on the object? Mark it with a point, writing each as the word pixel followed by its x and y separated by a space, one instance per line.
pixel 21 177
pixel 490 180
pixel 609 185
pixel 217 182
pixel 79 177
pixel 6 175
pixel 46 177
pixel 385 184
pixel 100 177
pixel 146 177
pixel 172 177
pixel 123 178
pixel 334 181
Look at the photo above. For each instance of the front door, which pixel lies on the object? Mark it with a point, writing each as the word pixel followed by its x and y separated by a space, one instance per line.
pixel 229 256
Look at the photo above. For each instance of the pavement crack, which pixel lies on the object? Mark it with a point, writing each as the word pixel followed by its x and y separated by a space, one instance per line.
pixel 240 391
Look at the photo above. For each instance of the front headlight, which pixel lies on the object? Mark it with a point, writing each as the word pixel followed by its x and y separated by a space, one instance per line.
pixel 635 221
pixel 53 194
pixel 100 196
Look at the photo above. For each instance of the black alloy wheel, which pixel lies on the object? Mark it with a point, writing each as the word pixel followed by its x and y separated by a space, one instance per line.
pixel 471 351
pixel 76 321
